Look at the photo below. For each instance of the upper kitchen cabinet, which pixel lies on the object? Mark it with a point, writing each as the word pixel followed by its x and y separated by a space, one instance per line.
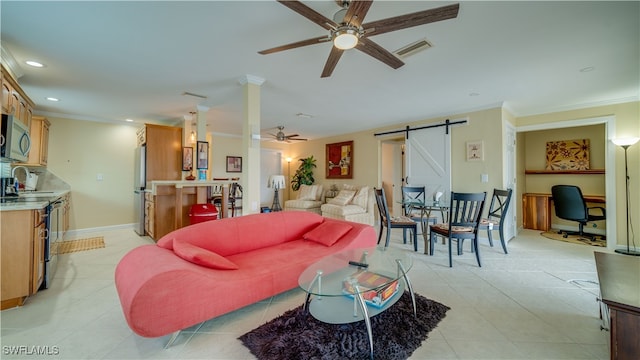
pixel 164 152
pixel 39 133
pixel 14 101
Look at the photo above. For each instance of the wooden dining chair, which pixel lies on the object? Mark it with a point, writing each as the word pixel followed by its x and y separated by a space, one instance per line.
pixel 394 222
pixel 497 213
pixel 465 212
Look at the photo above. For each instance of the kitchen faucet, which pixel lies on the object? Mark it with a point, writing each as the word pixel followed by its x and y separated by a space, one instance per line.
pixel 15 179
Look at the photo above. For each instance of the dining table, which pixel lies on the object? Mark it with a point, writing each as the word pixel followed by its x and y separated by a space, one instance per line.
pixel 425 208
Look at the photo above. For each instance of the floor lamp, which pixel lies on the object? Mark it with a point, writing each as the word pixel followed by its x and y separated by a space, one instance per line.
pixel 276 182
pixel 289 178
pixel 625 143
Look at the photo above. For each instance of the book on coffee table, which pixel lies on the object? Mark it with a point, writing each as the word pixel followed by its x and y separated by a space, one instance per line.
pixel 378 288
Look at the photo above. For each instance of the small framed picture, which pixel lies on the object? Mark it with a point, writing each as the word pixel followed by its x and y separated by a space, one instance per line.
pixel 187 158
pixel 203 155
pixel 234 164
pixel 475 151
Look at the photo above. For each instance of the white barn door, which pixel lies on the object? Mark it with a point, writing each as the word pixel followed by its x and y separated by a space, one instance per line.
pixel 428 161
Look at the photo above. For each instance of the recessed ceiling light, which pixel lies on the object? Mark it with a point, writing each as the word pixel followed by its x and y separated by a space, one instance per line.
pixel 53 99
pixel 34 63
pixel 587 69
pixel 128 120
pixel 474 94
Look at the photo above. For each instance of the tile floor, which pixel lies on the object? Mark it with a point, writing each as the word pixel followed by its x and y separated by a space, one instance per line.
pixel 517 306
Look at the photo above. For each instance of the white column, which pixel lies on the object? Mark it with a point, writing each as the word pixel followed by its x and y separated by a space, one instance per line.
pixel 201 125
pixel 251 148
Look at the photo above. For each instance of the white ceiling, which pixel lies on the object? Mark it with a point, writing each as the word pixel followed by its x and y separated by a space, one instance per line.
pixel 108 61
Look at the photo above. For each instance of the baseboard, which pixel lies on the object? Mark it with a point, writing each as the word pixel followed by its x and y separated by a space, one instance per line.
pixel 80 232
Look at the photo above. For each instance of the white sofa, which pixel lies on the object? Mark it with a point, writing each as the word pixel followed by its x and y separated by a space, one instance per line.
pixel 353 203
pixel 309 198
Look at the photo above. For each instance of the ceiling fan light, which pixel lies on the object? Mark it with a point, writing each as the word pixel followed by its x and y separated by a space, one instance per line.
pixel 345 39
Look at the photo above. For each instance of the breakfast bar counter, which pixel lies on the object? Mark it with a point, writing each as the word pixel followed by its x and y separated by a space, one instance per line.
pixel 168 202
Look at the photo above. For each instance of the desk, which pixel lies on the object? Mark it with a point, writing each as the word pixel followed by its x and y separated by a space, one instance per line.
pixel 620 291
pixel 537 209
pixel 425 209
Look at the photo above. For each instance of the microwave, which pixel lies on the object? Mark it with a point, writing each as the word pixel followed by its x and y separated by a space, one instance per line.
pixel 14 139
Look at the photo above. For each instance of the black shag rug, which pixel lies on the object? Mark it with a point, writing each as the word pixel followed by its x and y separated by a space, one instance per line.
pixel 296 334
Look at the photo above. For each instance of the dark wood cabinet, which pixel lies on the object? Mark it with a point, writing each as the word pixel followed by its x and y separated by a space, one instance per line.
pixel 620 291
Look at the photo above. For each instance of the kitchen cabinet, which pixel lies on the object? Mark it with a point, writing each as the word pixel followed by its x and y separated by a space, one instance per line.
pixel 14 101
pixel 167 206
pixel 39 237
pixel 163 152
pixel 17 254
pixel 66 213
pixel 149 215
pixel 161 210
pixel 39 133
pixel 7 89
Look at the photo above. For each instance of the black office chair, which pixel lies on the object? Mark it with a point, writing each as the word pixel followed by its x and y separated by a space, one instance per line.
pixel 394 222
pixel 497 212
pixel 570 205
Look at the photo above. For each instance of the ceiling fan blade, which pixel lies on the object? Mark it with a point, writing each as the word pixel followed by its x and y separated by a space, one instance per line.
pixel 292 135
pixel 332 61
pixel 296 44
pixel 356 12
pixel 309 13
pixel 410 20
pixel 299 139
pixel 369 47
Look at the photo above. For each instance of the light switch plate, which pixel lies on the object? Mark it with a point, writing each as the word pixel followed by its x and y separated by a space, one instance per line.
pixel 484 178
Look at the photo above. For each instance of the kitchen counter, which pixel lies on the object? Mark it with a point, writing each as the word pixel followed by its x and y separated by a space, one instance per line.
pixel 30 200
pixel 186 183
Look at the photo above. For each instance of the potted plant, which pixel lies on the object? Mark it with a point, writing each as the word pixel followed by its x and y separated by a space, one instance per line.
pixel 304 174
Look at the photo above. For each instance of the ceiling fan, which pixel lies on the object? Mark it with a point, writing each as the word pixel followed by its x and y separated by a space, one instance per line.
pixel 347 31
pixel 280 136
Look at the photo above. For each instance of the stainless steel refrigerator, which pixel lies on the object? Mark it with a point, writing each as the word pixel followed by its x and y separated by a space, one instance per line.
pixel 139 184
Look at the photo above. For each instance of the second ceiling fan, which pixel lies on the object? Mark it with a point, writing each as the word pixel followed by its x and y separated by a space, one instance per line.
pixel 347 30
pixel 281 137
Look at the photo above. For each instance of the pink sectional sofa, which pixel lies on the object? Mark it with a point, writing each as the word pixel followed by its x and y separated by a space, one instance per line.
pixel 205 270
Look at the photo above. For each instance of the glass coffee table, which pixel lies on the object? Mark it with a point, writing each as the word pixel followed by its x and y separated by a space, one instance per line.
pixel 356 284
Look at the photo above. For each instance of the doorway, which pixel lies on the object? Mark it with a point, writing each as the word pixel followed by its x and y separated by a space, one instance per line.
pixel 609 161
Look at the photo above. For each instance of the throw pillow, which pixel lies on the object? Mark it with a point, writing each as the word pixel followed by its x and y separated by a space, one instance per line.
pixel 343 198
pixel 360 198
pixel 318 192
pixel 328 232
pixel 307 192
pixel 203 257
pixel 350 187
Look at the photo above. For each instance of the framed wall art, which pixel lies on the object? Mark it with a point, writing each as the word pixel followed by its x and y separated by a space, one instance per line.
pixel 568 155
pixel 475 151
pixel 203 155
pixel 339 160
pixel 187 158
pixel 234 164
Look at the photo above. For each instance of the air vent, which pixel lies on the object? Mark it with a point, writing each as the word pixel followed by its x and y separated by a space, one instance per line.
pixel 194 95
pixel 413 48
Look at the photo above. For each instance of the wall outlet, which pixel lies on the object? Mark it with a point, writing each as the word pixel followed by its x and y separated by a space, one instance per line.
pixel 99 177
